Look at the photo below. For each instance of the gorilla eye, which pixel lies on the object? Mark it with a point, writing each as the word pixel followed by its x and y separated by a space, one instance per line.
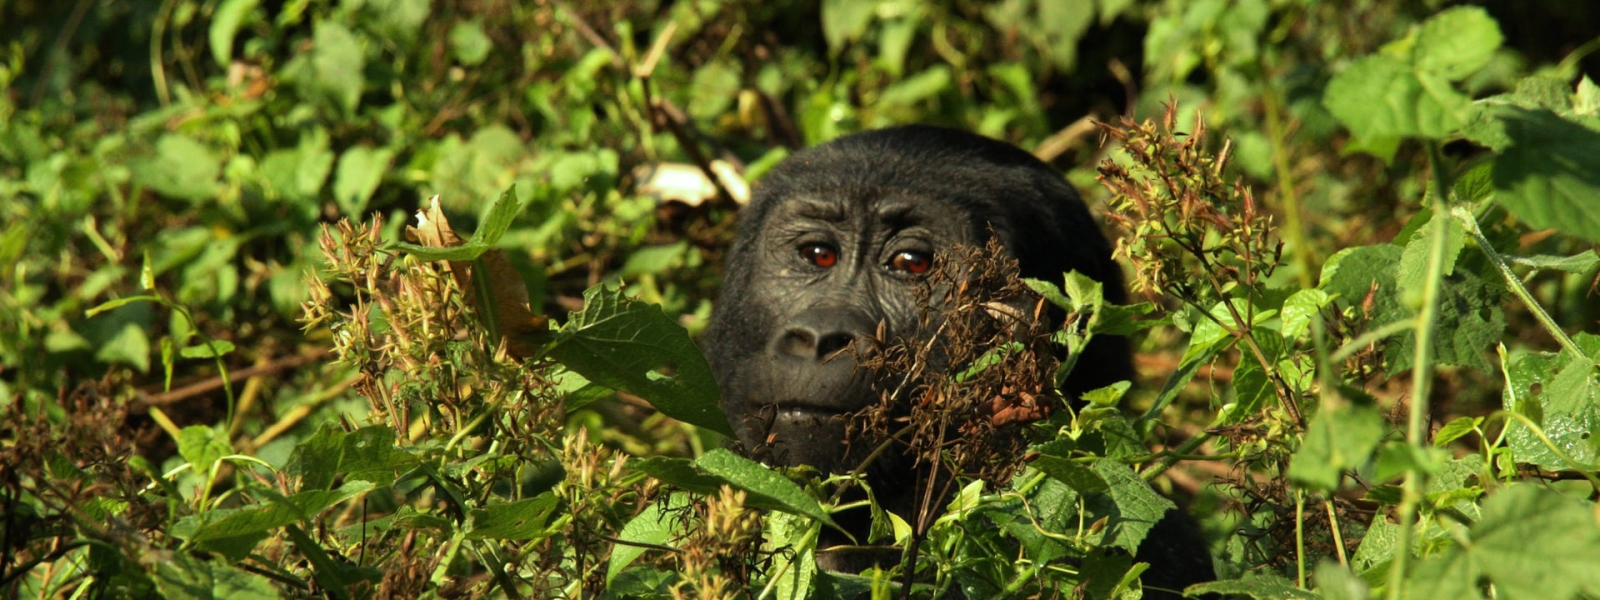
pixel 915 263
pixel 821 255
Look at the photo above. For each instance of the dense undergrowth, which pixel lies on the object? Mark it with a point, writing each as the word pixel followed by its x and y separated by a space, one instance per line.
pixel 234 363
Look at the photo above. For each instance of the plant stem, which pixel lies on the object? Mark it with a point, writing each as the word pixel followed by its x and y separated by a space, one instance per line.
pixel 1470 223
pixel 1422 370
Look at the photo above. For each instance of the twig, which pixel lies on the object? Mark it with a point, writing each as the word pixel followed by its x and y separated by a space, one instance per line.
pixel 215 383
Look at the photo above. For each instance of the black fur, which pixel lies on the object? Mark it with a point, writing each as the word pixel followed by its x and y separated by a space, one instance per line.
pixel 872 196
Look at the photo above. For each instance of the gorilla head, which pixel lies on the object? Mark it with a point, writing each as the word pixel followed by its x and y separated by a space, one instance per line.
pixel 831 249
pixel 828 258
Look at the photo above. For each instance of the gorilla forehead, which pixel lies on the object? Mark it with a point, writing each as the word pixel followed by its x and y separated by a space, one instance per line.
pixel 991 184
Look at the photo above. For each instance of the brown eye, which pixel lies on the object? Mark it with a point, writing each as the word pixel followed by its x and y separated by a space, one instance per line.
pixel 821 255
pixel 914 263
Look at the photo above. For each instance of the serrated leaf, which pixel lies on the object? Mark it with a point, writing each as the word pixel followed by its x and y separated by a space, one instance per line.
pixel 1550 174
pixel 366 454
pixel 634 347
pixel 1457 42
pixel 1579 264
pixel 1414 260
pixel 1531 542
pixel 1260 585
pixel 1298 310
pixel 1080 478
pixel 1381 97
pixel 1560 393
pixel 202 447
pixel 1339 438
pixel 1131 507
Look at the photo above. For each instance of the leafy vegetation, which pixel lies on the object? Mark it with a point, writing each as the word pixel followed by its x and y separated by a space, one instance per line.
pixel 1361 236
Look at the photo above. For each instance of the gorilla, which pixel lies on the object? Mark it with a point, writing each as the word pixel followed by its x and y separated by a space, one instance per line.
pixel 827 257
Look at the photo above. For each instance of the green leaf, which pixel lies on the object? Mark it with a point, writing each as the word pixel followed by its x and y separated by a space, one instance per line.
pixel 360 171
pixel 1261 585
pixel 129 347
pixel 278 512
pixel 469 43
pixel 1335 582
pixel 1457 42
pixel 845 21
pixel 184 577
pixel 1550 174
pixel 202 447
pixel 1298 310
pixel 1078 477
pixel 1560 393
pixel 1577 264
pixel 1132 507
pixel 225 24
pixel 653 526
pixel 296 175
pixel 794 573
pixel 1339 438
pixel 1531 542
pixel 634 347
pixel 181 168
pixel 338 65
pixel 521 520
pixel 1454 430
pixel 214 349
pixel 494 225
pixel 1379 97
pixel 366 454
pixel 1414 260
pixel 766 487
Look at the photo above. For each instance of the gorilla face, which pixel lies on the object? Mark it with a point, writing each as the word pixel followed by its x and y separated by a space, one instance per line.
pixel 826 264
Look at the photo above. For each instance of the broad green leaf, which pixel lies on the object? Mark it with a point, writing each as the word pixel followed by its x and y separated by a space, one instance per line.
pixel 1335 582
pixel 521 520
pixel 184 577
pixel 1260 585
pixel 130 346
pixel 766 487
pixel 1298 310
pixel 1457 42
pixel 844 21
pixel 632 346
pixel 296 175
pixel 366 454
pixel 1339 438
pixel 1379 97
pixel 1455 430
pixel 469 43
pixel 225 25
pixel 1414 260
pixel 1531 542
pixel 202 447
pixel 1550 174
pixel 794 572
pixel 653 259
pixel 1560 393
pixel 653 526
pixel 182 168
pixel 338 65
pixel 1081 478
pixel 360 171
pixel 1132 506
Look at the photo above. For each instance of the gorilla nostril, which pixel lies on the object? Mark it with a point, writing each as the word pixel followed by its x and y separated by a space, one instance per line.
pixel 833 343
pixel 798 342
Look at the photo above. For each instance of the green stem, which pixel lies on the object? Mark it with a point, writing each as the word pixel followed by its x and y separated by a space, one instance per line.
pixel 1422 370
pixel 1470 223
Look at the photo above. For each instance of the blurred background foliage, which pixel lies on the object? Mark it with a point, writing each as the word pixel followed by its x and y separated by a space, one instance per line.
pixel 212 139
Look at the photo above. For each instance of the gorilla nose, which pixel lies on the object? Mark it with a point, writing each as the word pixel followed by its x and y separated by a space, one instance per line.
pixel 819 333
